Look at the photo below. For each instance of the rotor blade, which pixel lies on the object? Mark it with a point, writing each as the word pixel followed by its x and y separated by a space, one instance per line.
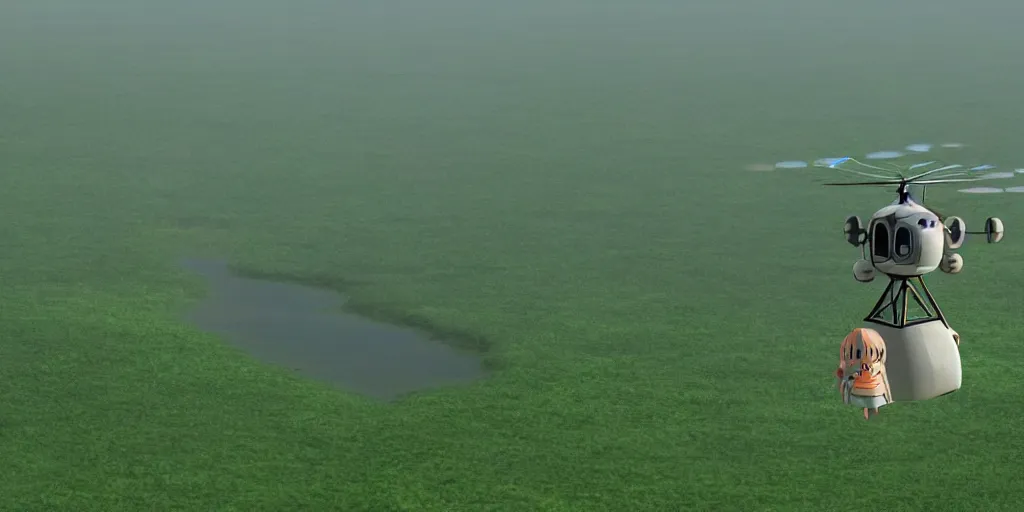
pixel 863 183
pixel 933 171
pixel 836 165
pixel 940 181
pixel 897 182
pixel 859 173
pixel 891 168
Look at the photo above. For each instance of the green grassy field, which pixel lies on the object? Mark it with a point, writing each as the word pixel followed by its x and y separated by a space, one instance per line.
pixel 560 183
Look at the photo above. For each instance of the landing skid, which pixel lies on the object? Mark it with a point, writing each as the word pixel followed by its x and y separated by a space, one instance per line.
pixel 893 307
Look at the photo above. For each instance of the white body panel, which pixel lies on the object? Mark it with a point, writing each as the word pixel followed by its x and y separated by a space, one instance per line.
pixel 922 360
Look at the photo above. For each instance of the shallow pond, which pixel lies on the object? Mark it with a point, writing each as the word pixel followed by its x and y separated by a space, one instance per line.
pixel 306 329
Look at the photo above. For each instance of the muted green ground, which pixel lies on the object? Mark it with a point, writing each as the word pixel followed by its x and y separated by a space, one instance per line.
pixel 559 181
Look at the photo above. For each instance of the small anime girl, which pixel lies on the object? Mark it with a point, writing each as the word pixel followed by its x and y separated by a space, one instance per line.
pixel 861 373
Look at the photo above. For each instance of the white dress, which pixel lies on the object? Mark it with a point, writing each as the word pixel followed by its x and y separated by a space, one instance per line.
pixel 866 402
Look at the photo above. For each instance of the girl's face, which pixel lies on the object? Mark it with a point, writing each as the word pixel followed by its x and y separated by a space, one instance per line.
pixel 872 359
pixel 860 352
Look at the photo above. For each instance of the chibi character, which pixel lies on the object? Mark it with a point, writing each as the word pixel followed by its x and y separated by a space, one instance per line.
pixel 861 373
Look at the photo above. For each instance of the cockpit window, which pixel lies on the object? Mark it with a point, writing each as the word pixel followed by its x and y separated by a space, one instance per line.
pixel 902 244
pixel 880 241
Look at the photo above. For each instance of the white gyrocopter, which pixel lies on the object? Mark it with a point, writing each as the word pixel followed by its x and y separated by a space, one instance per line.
pixel 904 241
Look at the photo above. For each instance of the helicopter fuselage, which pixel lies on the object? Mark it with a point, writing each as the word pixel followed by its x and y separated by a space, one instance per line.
pixel 905 239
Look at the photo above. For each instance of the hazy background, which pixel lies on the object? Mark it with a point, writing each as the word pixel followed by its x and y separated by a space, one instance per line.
pixel 279 112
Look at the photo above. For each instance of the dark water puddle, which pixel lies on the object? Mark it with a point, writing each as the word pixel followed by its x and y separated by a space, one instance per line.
pixel 305 329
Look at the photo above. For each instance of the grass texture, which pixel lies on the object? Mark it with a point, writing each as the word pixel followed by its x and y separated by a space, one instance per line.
pixel 557 186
